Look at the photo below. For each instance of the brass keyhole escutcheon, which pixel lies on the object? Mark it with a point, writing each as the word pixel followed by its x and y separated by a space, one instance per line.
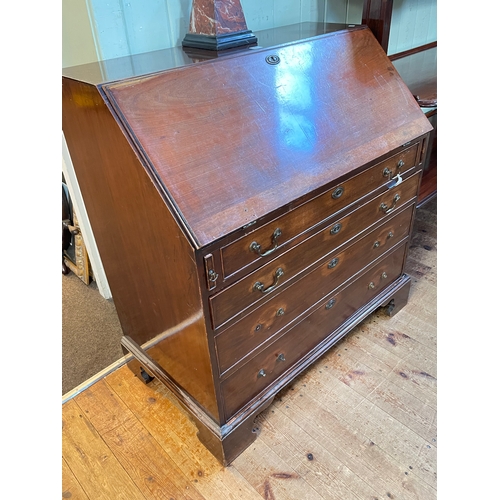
pixel 338 192
pixel 258 328
pixel 336 228
pixel 371 285
pixel 262 373
pixel 384 275
pixel 280 312
pixel 330 304
pixel 273 59
pixel 281 357
pixel 333 263
pixel 390 235
pixel 376 244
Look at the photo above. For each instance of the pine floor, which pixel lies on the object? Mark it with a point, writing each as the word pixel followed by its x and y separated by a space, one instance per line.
pixel 360 424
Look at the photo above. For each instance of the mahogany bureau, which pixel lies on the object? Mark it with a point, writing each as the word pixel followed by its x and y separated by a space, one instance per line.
pixel 249 211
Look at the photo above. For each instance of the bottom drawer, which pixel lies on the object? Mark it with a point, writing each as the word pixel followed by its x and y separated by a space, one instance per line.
pixel 265 368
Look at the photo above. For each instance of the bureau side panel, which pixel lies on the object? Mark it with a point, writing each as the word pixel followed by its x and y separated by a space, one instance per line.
pixel 149 263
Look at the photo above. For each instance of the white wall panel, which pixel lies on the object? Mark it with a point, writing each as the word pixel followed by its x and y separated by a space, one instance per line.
pixel 414 23
pixel 355 11
pixel 126 27
pixel 262 14
pixel 336 11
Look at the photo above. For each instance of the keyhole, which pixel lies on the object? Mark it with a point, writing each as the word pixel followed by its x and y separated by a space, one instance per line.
pixel 338 192
pixel 335 229
pixel 274 59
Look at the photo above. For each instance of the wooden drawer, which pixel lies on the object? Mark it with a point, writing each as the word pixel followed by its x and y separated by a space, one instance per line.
pixel 263 369
pixel 260 325
pixel 239 254
pixel 244 293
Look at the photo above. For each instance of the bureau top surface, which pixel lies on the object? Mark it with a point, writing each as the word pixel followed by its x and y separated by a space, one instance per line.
pixel 232 139
pixel 134 65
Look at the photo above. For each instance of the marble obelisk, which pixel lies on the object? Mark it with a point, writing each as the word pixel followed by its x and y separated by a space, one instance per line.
pixel 218 25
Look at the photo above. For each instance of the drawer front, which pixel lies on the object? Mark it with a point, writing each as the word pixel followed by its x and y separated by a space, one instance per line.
pixel 267 280
pixel 260 325
pixel 262 370
pixel 269 238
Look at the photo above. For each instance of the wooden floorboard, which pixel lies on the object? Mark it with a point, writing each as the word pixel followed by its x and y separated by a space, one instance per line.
pixel 360 424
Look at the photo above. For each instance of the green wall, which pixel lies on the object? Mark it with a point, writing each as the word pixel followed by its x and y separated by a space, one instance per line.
pixel 78 46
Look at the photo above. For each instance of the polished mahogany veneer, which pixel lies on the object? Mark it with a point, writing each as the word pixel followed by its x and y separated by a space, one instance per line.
pixel 249 210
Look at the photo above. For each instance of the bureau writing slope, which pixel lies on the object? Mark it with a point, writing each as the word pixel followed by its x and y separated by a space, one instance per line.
pixel 249 211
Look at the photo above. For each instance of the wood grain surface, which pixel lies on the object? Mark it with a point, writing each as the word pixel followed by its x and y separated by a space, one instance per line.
pixel 360 423
pixel 187 158
pixel 234 139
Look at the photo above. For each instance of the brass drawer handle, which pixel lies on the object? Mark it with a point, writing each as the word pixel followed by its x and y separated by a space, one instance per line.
pixel 255 247
pixel 387 209
pixel 281 357
pixel 384 275
pixel 262 373
pixel 280 312
pixel 258 286
pixel 371 285
pixel 388 173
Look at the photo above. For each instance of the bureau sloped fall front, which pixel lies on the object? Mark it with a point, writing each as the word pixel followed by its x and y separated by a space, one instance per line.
pixel 249 212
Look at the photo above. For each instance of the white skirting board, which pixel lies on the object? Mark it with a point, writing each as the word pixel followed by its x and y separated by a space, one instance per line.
pixel 81 213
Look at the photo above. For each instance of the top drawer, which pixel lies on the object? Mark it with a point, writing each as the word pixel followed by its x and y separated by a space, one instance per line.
pixel 268 239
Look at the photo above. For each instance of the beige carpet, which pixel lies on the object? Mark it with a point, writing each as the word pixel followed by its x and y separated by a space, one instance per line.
pixel 91 332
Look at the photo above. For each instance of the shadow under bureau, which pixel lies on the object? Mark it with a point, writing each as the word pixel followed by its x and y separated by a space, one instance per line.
pixel 249 211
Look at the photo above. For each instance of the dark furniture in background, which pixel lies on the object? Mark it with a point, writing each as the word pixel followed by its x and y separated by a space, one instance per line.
pixel 249 210
pixel 377 16
pixel 74 252
pixel 418 68
pixel 66 221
